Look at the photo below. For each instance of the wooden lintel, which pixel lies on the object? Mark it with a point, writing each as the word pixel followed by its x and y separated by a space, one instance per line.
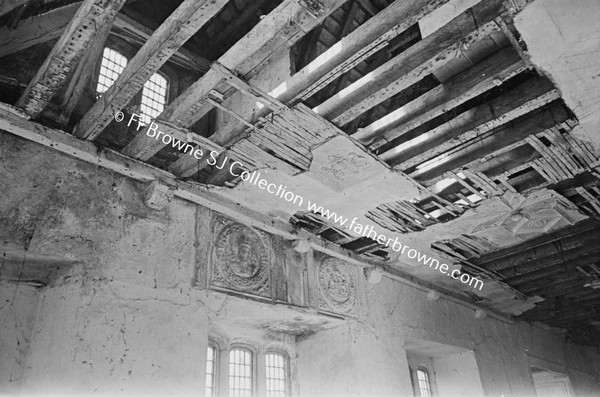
pixel 186 20
pixel 74 41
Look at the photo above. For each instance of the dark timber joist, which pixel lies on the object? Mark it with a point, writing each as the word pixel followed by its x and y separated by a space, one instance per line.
pixel 265 39
pixel 343 56
pixel 411 65
pixel 74 41
pixel 36 29
pixel 82 74
pixel 49 25
pixel 473 123
pixel 186 20
pixel 484 76
pixel 528 249
pixel 505 135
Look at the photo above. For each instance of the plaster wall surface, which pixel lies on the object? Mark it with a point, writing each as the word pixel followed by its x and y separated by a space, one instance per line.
pixel 126 320
pixel 17 316
pixel 563 40
pixel 395 315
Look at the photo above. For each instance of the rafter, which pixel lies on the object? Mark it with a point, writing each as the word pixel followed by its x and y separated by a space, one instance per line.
pixel 475 81
pixel 265 39
pixel 186 20
pixel 473 123
pixel 74 41
pixel 82 74
pixel 343 56
pixel 410 66
pixel 36 29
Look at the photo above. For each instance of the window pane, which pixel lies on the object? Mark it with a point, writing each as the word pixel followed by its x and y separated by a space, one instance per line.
pixel 210 371
pixel 423 378
pixel 240 373
pixel 154 97
pixel 111 67
pixel 276 371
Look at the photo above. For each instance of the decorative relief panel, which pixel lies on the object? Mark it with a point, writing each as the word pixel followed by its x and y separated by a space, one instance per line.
pixel 240 258
pixel 337 287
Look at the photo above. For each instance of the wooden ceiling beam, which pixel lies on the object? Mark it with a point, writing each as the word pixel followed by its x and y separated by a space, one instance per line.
pixel 580 228
pixel 70 47
pixel 584 314
pixel 184 22
pixel 133 31
pixel 36 29
pixel 576 294
pixel 354 48
pixel 410 66
pixel 357 46
pixel 49 25
pixel 82 75
pixel 265 39
pixel 540 287
pixel 582 260
pixel 530 124
pixel 567 249
pixel 238 22
pixel 465 86
pixel 472 124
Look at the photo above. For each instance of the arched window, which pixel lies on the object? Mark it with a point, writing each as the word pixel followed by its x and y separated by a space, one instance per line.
pixel 112 65
pixel 211 365
pixel 424 384
pixel 276 374
pixel 154 97
pixel 240 373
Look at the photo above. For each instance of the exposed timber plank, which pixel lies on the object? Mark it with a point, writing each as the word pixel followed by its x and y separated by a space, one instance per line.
pixel 475 81
pixel 473 123
pixel 186 20
pixel 74 41
pixel 490 142
pixel 136 32
pixel 337 60
pixel 370 37
pixel 83 72
pixel 279 30
pixel 49 25
pixel 36 29
pixel 411 65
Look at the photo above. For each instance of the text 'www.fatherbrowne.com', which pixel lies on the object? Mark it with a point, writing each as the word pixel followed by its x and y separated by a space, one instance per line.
pixel 253 178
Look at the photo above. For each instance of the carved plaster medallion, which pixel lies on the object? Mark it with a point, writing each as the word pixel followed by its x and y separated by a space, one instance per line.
pixel 241 260
pixel 337 287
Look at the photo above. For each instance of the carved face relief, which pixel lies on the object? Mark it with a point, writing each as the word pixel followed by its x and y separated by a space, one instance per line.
pixel 337 290
pixel 241 260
